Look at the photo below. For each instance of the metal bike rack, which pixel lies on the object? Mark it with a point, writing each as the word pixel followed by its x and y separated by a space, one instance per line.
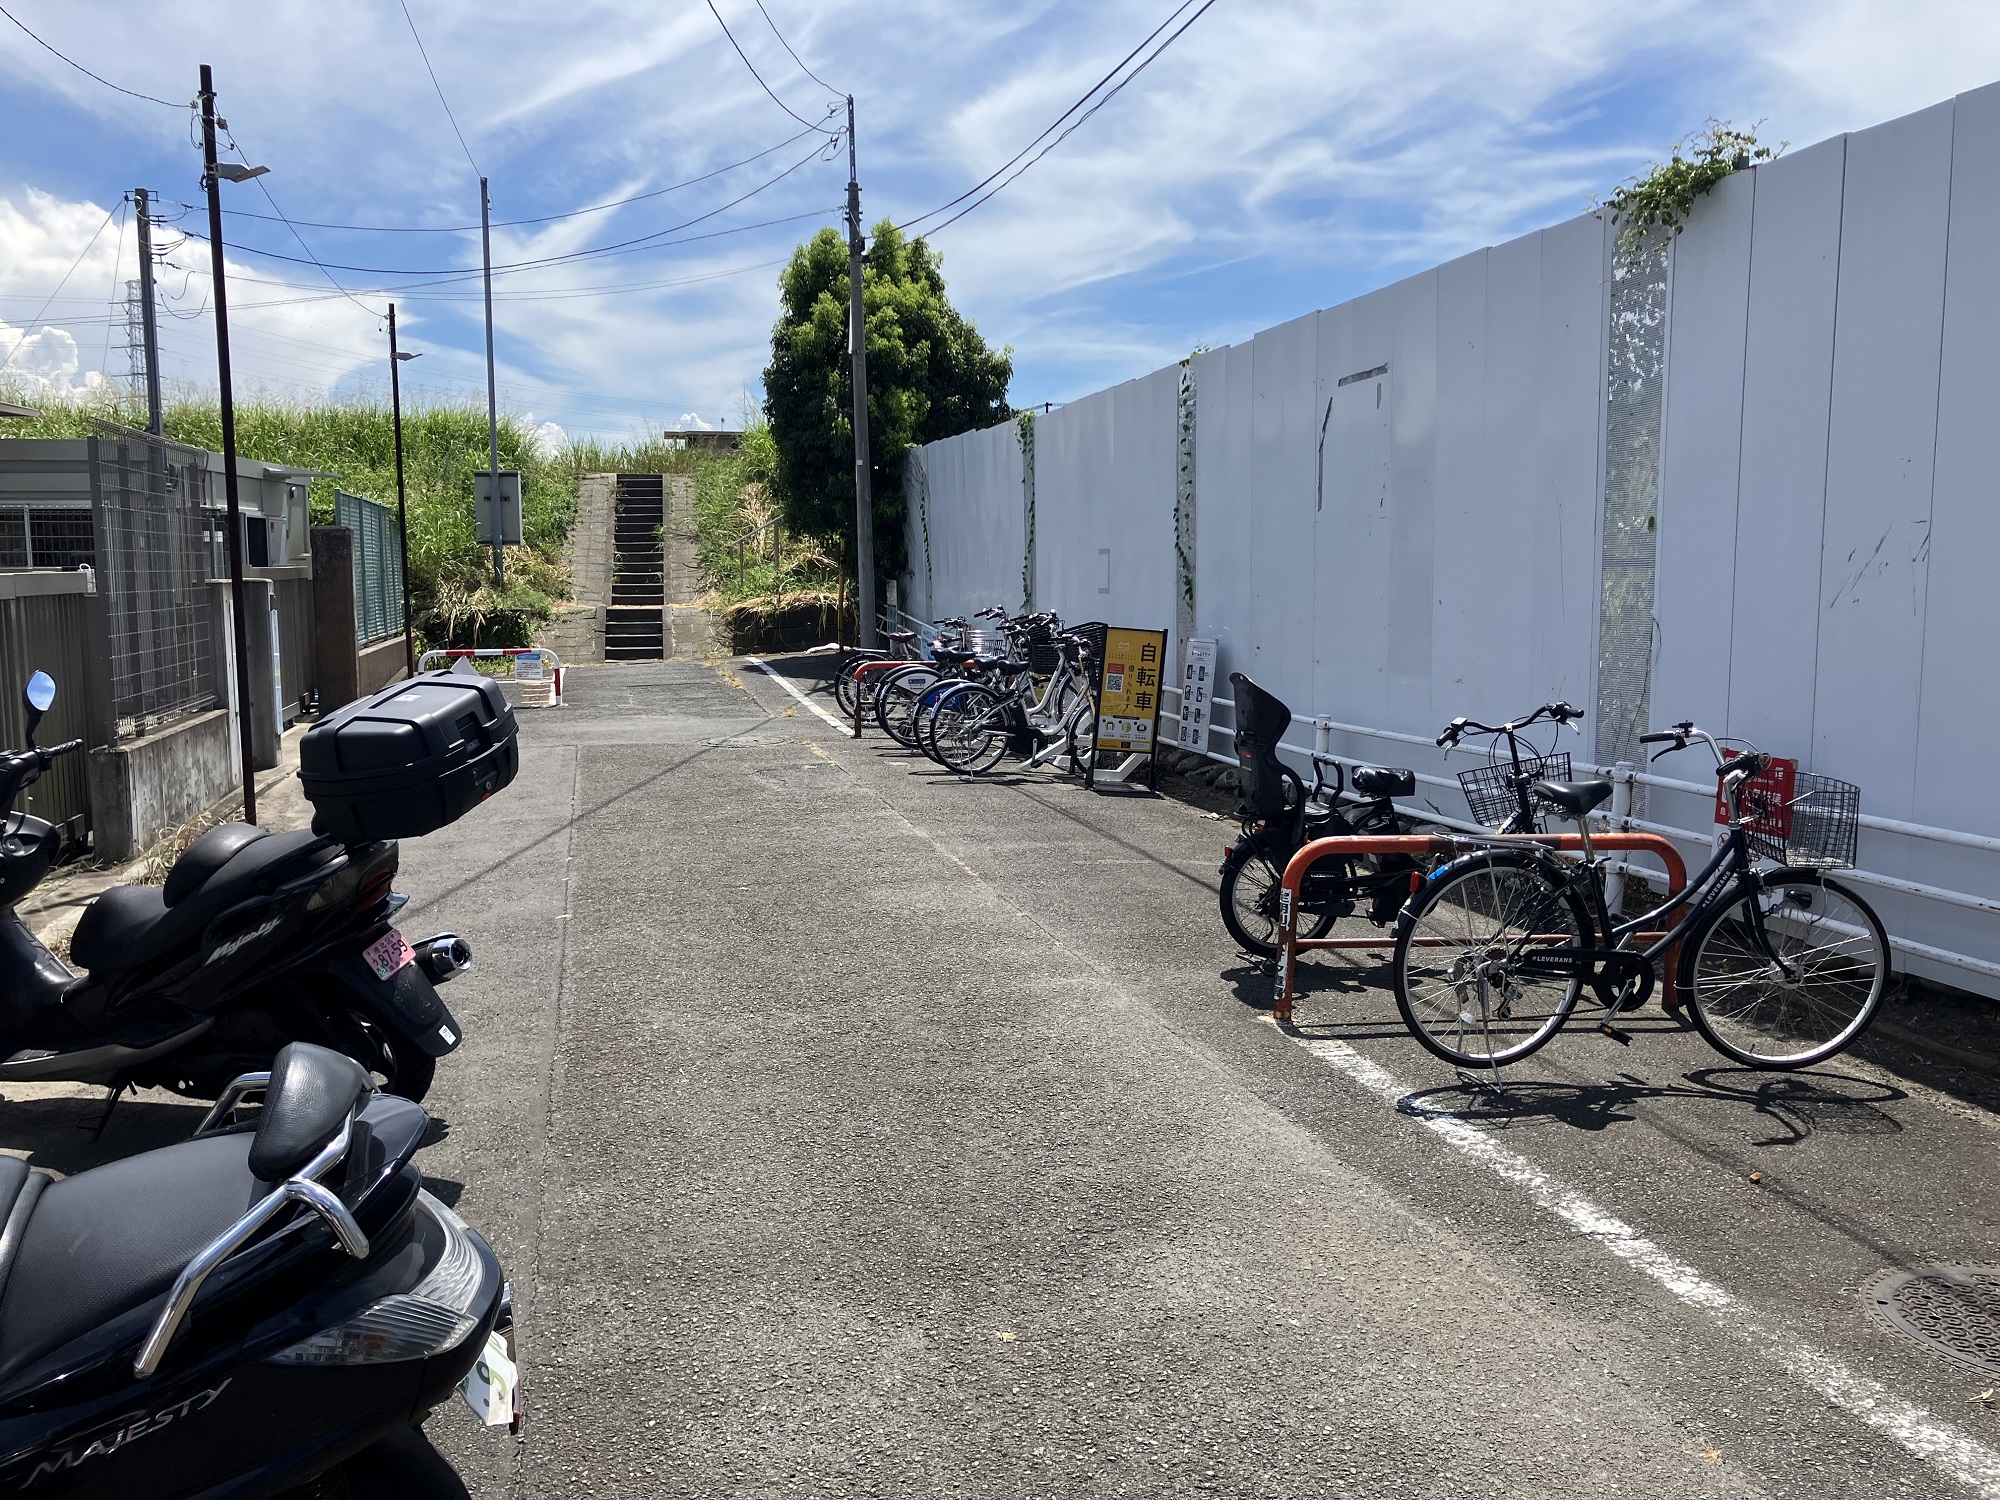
pixel 866 667
pixel 1290 943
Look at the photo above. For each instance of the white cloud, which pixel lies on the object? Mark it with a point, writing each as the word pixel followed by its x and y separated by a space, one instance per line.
pixel 1284 153
pixel 689 422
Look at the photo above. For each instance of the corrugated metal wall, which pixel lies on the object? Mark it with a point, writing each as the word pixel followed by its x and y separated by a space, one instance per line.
pixel 1400 502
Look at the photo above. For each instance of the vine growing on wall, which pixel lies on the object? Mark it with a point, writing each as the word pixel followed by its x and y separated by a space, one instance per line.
pixel 1664 197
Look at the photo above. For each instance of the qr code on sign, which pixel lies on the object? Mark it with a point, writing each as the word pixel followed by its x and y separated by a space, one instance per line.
pixel 1114 679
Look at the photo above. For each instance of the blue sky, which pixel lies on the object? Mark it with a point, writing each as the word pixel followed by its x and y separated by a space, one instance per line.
pixel 1280 157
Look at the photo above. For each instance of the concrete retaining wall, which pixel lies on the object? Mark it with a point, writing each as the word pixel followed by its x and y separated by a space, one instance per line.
pixel 143 788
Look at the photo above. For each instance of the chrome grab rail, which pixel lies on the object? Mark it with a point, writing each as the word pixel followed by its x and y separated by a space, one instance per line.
pixel 302 1188
pixel 242 1084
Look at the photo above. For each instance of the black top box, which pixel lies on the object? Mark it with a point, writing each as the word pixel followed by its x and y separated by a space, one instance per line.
pixel 412 758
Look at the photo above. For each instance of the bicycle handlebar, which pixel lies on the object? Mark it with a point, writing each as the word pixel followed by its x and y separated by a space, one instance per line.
pixel 1562 713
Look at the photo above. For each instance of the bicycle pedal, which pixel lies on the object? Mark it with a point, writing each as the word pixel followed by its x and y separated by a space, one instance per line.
pixel 1622 1038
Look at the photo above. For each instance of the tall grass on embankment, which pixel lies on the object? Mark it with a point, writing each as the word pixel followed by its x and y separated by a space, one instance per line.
pixel 453 601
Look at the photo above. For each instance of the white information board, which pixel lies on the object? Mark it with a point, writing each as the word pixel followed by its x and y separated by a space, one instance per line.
pixel 1197 684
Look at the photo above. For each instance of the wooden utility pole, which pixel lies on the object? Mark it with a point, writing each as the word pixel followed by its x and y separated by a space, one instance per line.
pixel 857 341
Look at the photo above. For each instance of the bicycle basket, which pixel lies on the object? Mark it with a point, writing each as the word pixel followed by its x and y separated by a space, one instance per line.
pixel 1489 789
pixel 1817 830
pixel 1043 658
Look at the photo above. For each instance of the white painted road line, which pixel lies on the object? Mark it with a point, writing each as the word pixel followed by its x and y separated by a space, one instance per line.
pixel 1966 1460
pixel 785 683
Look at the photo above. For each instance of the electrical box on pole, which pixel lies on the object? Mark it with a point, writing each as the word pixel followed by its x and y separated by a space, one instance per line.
pixel 510 507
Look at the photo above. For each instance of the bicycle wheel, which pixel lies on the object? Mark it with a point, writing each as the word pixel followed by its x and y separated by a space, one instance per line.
pixel 1800 992
pixel 1250 885
pixel 843 683
pixel 924 725
pixel 896 701
pixel 1459 980
pixel 971 731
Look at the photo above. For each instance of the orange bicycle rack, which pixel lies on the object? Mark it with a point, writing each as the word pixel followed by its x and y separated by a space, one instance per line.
pixel 1290 944
pixel 886 664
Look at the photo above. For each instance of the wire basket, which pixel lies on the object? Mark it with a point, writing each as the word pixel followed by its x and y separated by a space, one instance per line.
pixel 1817 829
pixel 1043 658
pixel 1489 789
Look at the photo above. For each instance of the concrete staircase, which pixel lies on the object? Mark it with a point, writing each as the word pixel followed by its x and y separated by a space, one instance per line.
pixel 635 626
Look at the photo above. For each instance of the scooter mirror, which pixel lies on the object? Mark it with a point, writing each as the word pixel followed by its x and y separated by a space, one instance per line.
pixel 40 695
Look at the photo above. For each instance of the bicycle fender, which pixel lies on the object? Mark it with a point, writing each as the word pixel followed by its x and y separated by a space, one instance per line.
pixel 1530 854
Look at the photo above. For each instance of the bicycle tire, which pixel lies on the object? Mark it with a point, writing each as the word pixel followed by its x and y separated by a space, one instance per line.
pixel 1260 903
pixel 973 739
pixel 926 716
pixel 1446 923
pixel 896 700
pixel 1737 1001
pixel 843 683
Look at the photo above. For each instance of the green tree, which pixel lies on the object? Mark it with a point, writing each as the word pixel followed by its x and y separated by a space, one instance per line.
pixel 930 375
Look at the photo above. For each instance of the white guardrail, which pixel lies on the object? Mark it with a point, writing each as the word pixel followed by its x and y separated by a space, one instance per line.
pixel 1623 778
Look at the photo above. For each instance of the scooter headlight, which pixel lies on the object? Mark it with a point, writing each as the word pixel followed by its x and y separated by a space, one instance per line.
pixel 431 1317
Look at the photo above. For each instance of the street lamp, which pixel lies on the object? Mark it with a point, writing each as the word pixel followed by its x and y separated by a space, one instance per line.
pixel 213 173
pixel 396 358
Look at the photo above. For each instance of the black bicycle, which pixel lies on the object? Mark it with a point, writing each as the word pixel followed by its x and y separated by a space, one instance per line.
pixel 1500 793
pixel 1777 968
pixel 1280 816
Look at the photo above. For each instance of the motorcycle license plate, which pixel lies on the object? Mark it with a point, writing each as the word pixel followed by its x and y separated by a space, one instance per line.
pixel 492 1386
pixel 388 953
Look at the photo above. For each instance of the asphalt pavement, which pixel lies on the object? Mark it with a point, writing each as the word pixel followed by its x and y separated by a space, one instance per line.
pixel 849 1128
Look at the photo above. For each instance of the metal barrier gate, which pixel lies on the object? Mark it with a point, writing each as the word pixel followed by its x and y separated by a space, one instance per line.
pixel 537 686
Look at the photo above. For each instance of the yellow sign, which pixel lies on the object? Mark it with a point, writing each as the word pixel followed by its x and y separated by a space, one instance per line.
pixel 1128 700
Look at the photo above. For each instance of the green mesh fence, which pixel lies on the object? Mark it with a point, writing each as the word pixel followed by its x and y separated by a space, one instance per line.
pixel 378 565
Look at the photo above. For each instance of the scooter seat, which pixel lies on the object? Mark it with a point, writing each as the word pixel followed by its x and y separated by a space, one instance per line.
pixel 205 856
pixel 103 1242
pixel 79 1252
pixel 132 925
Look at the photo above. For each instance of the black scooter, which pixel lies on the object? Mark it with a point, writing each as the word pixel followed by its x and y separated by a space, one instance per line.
pixel 255 940
pixel 1280 815
pixel 268 1306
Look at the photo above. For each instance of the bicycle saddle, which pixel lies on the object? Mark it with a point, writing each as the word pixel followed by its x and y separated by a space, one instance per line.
pixel 903 636
pixel 1574 797
pixel 1383 781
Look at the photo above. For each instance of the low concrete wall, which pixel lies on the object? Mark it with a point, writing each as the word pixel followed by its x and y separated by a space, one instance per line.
pixel 145 787
pixel 379 665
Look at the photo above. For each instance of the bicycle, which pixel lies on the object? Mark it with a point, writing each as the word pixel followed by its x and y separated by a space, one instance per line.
pixel 1499 795
pixel 1778 968
pixel 1280 816
pixel 974 727
pixel 1045 652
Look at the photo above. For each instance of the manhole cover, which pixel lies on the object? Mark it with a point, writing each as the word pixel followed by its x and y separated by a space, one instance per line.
pixel 1953 1309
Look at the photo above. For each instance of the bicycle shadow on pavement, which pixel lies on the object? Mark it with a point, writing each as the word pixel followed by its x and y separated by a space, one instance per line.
pixel 1798 1105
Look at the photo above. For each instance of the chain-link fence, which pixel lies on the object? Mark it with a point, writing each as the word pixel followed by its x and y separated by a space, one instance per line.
pixel 156 543
pixel 378 565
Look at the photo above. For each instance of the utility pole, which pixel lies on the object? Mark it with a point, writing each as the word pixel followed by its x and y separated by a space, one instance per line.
pixel 239 626
pixel 396 359
pixel 857 340
pixel 492 401
pixel 149 328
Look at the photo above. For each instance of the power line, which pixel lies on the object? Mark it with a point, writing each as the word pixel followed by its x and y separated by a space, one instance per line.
pixel 22 342
pixel 616 248
pixel 573 213
pixel 421 52
pixel 1109 95
pixel 759 76
pixel 118 88
pixel 331 281
pixel 795 57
